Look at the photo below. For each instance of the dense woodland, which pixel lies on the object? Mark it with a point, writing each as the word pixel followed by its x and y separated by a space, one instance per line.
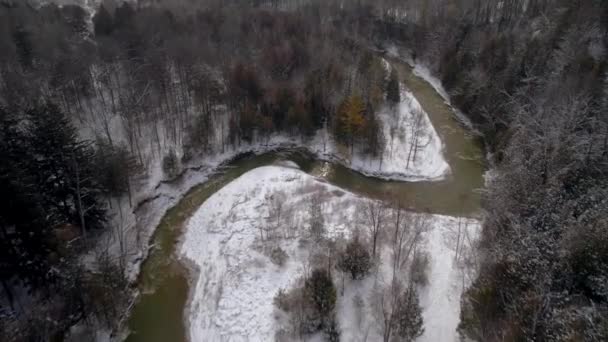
pixel 535 83
pixel 177 80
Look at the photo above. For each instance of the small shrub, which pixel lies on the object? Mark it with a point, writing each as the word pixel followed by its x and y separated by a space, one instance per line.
pixel 331 330
pixel 321 290
pixel 171 164
pixel 419 267
pixel 311 306
pixel 278 256
pixel 355 259
pixel 281 300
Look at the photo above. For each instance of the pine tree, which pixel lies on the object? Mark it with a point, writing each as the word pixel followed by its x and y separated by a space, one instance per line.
pixel 48 181
pixel 23 43
pixel 65 169
pixel 171 164
pixel 103 22
pixel 355 259
pixel 393 95
pixel 24 234
pixel 409 323
pixel 321 290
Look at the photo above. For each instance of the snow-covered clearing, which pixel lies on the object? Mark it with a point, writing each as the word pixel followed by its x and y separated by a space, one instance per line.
pixel 408 155
pixel 235 281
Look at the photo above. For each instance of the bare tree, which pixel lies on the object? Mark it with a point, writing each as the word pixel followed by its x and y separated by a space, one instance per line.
pixel 275 202
pixel 419 136
pixel 374 215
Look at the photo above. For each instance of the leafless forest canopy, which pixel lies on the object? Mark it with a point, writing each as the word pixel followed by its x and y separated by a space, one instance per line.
pixel 89 102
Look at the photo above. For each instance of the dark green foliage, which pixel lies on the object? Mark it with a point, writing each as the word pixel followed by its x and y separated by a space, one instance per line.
pixel 115 168
pixel 408 324
pixel 311 305
pixel 103 22
pixel 63 167
pixel 171 164
pixel 393 93
pixel 355 259
pixel 49 181
pixel 23 44
pixel 332 330
pixel 278 256
pixel 320 289
pixel 419 268
pixel 76 18
pixel 373 136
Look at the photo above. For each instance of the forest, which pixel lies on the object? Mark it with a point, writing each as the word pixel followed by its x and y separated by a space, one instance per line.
pixel 93 105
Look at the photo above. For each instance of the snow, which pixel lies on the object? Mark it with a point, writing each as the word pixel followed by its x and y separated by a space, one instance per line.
pixel 235 282
pixel 423 71
pixel 429 163
pixel 447 279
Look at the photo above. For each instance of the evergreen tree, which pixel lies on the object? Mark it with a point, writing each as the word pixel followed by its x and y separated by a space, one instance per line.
pixel 393 95
pixel 24 230
pixel 321 290
pixel 355 259
pixel 23 43
pixel 47 178
pixel 171 164
pixel 65 169
pixel 103 22
pixel 409 323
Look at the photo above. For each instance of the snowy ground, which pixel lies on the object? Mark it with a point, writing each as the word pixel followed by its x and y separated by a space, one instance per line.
pixel 423 71
pixel 235 282
pixel 425 163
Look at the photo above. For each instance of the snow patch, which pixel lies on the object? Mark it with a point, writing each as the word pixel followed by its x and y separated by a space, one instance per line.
pixel 235 283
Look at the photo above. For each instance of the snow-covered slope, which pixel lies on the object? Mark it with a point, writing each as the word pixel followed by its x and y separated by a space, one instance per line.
pixel 235 283
pixel 427 163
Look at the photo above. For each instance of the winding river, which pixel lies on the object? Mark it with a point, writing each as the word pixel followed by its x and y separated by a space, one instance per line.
pixel 159 313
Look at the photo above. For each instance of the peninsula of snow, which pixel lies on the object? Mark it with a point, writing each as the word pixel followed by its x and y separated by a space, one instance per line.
pixel 235 281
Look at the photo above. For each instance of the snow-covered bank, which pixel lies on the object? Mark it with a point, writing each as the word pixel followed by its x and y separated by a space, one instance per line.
pixel 232 296
pixel 422 70
pixel 423 149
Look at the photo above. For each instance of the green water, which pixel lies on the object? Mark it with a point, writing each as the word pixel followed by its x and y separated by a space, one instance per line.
pixel 158 315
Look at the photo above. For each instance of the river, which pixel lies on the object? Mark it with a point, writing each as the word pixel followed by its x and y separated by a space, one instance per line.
pixel 159 313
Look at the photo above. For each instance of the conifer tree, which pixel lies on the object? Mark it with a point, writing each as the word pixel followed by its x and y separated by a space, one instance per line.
pixel 393 95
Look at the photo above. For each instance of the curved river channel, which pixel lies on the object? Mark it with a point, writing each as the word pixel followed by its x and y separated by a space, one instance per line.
pixel 159 313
